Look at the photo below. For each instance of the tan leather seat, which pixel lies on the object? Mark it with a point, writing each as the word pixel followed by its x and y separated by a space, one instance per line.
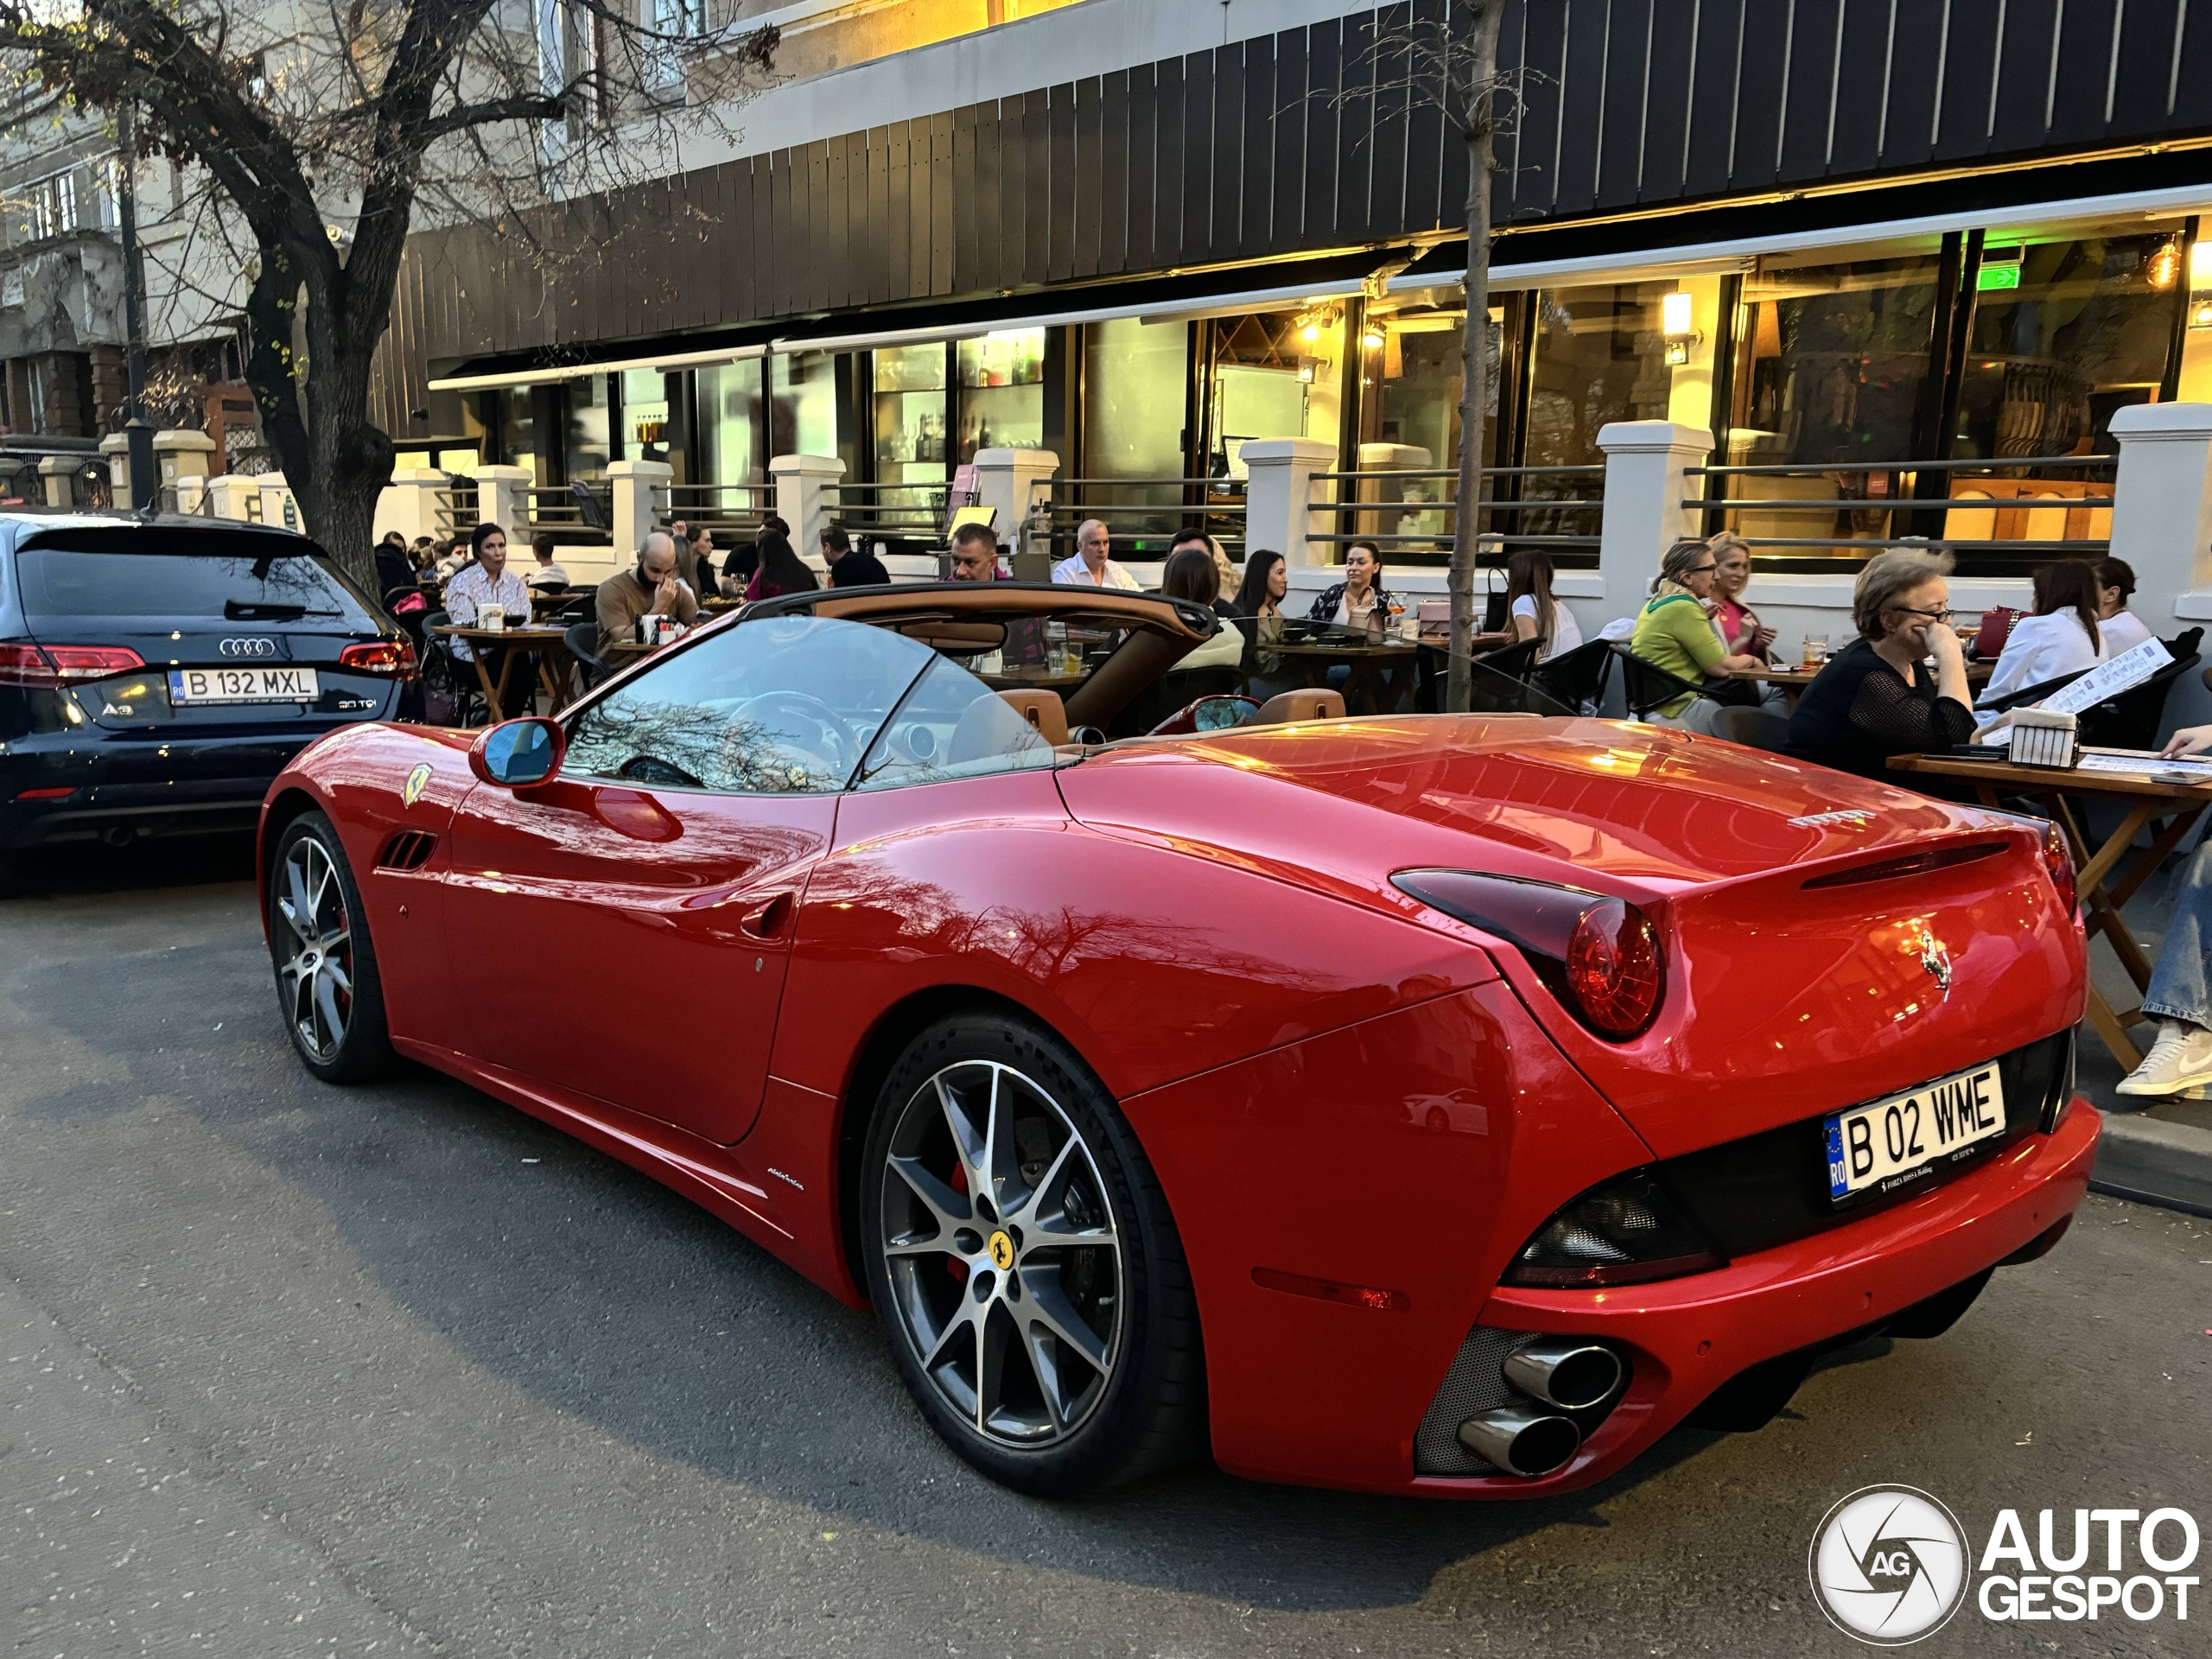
pixel 1044 710
pixel 1286 707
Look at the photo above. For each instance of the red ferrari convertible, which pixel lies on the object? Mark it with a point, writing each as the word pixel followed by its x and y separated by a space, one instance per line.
pixel 1420 1103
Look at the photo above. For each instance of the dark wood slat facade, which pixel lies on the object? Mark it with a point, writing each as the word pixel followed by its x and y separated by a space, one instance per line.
pixel 1294 142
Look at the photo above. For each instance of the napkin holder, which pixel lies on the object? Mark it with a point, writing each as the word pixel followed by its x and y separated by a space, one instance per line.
pixel 2041 738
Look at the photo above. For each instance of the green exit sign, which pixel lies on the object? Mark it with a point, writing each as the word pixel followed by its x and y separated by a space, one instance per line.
pixel 1990 276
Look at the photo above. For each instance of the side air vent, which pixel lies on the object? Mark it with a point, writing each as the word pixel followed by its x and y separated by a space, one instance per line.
pixel 1942 858
pixel 409 850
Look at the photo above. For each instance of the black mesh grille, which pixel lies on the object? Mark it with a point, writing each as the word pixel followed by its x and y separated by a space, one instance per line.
pixel 1474 1383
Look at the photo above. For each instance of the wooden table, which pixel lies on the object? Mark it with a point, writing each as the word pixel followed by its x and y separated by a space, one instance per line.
pixel 1794 680
pixel 1385 658
pixel 548 647
pixel 2147 800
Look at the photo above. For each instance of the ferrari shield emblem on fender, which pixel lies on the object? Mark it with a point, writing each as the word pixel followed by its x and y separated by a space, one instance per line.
pixel 1935 960
pixel 412 791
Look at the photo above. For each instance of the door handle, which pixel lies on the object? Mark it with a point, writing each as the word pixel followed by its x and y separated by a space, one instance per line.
pixel 767 921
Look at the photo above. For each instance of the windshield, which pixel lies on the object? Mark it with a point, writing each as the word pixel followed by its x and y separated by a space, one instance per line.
pixel 786 705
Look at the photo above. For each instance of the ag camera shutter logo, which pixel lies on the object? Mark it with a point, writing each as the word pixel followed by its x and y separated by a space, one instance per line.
pixel 1888 1565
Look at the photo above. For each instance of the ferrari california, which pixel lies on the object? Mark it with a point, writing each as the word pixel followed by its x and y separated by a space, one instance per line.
pixel 1414 1102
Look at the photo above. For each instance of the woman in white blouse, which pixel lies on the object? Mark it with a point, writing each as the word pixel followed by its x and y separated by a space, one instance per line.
pixel 2062 638
pixel 1532 613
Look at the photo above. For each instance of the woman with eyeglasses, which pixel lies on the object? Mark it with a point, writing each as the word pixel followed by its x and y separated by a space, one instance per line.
pixel 2062 638
pixel 1675 631
pixel 1876 696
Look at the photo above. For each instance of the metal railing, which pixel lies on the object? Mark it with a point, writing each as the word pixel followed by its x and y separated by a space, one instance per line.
pixel 457 507
pixel 1410 516
pixel 731 509
pixel 557 508
pixel 1143 516
pixel 1991 516
pixel 890 513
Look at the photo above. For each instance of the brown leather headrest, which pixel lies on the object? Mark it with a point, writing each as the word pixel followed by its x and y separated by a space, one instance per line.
pixel 1044 710
pixel 1286 707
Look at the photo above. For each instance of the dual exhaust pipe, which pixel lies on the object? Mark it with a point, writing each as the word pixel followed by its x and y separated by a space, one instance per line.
pixel 1560 1374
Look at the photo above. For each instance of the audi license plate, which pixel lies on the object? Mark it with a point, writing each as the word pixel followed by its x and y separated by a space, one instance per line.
pixel 1884 1145
pixel 198 685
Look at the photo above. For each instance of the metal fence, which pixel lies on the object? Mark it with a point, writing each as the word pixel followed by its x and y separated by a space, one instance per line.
pixel 456 507
pixel 733 510
pixel 902 516
pixel 1998 518
pixel 1143 516
pixel 1410 516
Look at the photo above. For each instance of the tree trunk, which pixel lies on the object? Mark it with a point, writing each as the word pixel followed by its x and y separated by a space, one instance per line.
pixel 1474 358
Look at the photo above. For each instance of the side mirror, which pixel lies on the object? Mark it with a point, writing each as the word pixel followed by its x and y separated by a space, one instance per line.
pixel 1219 714
pixel 517 754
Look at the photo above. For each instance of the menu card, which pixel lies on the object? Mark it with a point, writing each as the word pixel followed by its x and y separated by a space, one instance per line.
pixel 2108 679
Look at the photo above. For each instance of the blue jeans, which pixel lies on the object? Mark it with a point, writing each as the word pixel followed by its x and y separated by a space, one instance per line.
pixel 2181 983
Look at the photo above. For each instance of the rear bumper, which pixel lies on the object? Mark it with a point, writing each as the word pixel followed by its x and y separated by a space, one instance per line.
pixel 138 788
pixel 1687 1337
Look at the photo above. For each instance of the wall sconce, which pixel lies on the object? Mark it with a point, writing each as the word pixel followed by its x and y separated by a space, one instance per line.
pixel 1305 368
pixel 1678 324
pixel 1372 339
pixel 2200 285
pixel 2200 311
pixel 2165 265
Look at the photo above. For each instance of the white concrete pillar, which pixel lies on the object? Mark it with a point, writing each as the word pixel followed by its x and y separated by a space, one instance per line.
pixel 500 500
pixel 410 503
pixel 802 485
pixel 1005 482
pixel 55 472
pixel 230 494
pixel 1278 492
pixel 640 492
pixel 181 459
pixel 2161 518
pixel 1645 492
pixel 115 450
pixel 277 504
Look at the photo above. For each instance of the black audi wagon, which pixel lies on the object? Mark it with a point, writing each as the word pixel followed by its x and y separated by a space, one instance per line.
pixel 156 672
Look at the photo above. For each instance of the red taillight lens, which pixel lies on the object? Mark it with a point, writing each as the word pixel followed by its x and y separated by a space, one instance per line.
pixel 392 658
pixel 55 665
pixel 1612 967
pixel 2058 860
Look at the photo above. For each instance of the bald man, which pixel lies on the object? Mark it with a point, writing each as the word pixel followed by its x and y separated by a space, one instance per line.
pixel 650 587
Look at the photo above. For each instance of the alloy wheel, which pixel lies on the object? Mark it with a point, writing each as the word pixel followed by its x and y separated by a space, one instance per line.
pixel 1003 1254
pixel 317 978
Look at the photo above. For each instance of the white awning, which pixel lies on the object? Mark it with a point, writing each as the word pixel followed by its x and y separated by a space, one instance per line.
pixel 665 363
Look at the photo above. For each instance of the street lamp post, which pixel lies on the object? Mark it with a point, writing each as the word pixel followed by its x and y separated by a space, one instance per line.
pixel 137 429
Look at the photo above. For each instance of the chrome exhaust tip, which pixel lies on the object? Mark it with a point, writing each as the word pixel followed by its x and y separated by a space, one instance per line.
pixel 1521 1439
pixel 1572 1373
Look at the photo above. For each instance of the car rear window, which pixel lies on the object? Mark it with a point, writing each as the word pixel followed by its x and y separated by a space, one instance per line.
pixel 235 578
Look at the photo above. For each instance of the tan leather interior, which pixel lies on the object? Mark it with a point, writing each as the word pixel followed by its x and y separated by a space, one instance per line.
pixel 1287 705
pixel 1044 710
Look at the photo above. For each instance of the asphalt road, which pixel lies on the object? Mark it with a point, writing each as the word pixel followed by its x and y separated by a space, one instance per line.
pixel 287 1369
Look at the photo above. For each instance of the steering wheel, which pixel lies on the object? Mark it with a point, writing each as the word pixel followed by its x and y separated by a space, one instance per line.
pixel 834 743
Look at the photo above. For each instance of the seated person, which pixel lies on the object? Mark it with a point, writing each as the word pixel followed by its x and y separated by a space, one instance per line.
pixel 1360 601
pixel 695 561
pixel 1675 631
pixel 782 571
pixel 392 568
pixel 1190 573
pixel 2059 639
pixel 1531 611
pixel 1876 697
pixel 2180 992
pixel 649 587
pixel 541 549
pixel 2120 628
pixel 851 567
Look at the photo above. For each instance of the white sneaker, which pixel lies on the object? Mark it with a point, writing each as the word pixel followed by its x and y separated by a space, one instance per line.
pixel 2181 1057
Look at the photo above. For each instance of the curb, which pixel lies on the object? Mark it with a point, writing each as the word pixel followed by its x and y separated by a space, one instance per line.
pixel 2151 1162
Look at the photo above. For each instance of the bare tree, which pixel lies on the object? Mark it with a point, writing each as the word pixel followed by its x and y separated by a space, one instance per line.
pixel 1448 59
pixel 322 128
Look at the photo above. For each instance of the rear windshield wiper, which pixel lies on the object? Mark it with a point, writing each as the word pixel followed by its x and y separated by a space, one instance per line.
pixel 263 610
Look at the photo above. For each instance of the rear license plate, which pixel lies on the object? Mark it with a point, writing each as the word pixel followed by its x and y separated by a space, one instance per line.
pixel 202 685
pixel 1880 1146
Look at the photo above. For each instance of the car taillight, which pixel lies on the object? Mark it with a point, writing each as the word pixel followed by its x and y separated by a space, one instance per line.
pixel 392 658
pixel 55 665
pixel 2058 860
pixel 1629 1232
pixel 1599 956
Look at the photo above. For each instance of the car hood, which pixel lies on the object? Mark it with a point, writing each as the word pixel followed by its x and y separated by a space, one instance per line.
pixel 1783 1000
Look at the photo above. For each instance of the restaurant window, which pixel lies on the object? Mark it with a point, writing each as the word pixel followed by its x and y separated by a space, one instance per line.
pixel 731 443
pixel 724 716
pixel 805 417
pixel 1002 391
pixel 1134 379
pixel 1600 356
pixel 2064 334
pixel 1832 361
pixel 645 414
pixel 1410 383
pixel 908 413
pixel 1262 379
pixel 588 430
pixel 509 433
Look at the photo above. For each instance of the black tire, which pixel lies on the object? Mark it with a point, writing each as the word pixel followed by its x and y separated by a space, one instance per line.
pixel 310 996
pixel 1092 1424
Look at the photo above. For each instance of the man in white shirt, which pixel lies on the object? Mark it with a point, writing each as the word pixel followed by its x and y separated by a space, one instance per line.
pixel 541 547
pixel 1090 567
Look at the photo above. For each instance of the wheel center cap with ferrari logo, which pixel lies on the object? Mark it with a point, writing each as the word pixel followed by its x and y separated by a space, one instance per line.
pixel 1001 1246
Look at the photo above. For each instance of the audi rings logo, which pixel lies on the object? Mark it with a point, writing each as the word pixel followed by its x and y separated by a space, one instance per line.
pixel 1889 1565
pixel 248 647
